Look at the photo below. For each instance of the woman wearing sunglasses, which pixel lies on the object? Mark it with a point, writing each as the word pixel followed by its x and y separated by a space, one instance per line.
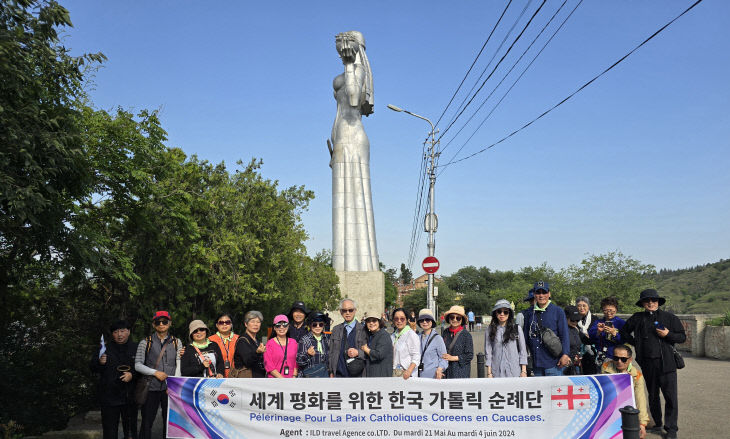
pixel 226 341
pixel 432 348
pixel 280 358
pixel 202 358
pixel 378 350
pixel 504 344
pixel 459 344
pixel 406 346
pixel 312 352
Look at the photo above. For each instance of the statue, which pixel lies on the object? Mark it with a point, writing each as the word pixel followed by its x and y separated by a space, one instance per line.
pixel 353 226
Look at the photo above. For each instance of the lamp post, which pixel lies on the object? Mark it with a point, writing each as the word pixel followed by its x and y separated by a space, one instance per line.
pixel 431 221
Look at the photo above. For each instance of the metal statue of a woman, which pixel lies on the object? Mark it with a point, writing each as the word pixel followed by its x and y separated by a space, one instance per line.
pixel 353 227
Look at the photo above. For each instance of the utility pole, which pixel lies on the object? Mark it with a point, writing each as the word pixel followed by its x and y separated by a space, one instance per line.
pixel 431 220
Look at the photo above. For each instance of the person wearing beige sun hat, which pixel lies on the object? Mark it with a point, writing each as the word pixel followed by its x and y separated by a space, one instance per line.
pixel 459 344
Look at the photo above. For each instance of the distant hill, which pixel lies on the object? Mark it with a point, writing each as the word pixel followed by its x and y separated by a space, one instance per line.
pixel 701 289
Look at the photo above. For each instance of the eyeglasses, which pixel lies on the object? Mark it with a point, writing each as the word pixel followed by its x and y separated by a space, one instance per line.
pixel 621 359
pixel 502 311
pixel 399 319
pixel 161 322
pixel 199 330
pixel 348 310
pixel 316 324
pixel 281 325
pixel 224 322
pixel 609 311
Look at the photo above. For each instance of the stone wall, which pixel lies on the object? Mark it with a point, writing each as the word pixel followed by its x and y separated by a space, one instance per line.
pixel 366 288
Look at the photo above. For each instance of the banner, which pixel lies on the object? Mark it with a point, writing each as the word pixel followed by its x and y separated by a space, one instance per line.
pixel 540 407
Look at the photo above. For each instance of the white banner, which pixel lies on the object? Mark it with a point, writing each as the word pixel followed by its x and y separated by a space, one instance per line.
pixel 557 407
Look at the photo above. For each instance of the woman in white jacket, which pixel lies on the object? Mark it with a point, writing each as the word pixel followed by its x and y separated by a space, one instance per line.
pixel 406 346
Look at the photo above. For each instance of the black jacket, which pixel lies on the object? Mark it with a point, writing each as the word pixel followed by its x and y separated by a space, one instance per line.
pixel 380 361
pixel 192 366
pixel 246 355
pixel 112 391
pixel 639 332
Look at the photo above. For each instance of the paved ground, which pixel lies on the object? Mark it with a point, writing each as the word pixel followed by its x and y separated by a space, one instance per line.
pixel 704 397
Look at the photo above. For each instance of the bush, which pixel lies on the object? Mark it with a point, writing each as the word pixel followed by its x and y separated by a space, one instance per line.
pixel 720 321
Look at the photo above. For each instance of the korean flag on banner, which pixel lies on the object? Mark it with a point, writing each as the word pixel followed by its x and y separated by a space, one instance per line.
pixel 570 397
pixel 222 399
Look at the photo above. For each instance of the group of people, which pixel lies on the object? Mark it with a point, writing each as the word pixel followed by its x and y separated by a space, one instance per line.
pixel 545 340
pixel 542 340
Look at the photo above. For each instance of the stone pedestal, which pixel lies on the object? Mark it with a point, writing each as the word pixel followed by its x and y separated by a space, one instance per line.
pixel 366 288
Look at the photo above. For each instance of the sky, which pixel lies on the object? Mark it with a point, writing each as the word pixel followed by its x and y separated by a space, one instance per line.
pixel 636 162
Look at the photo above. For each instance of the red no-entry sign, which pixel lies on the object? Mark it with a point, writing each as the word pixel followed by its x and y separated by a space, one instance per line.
pixel 430 264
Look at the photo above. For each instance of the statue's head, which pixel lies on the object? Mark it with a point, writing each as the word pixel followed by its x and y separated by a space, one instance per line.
pixel 351 40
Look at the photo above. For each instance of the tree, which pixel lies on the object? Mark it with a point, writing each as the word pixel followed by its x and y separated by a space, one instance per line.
pixel 610 274
pixel 405 275
pixel 415 300
pixel 390 279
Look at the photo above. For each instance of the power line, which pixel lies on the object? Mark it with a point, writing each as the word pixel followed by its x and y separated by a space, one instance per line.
pixel 418 210
pixel 577 91
pixel 474 62
pixel 493 70
pixel 516 80
pixel 489 63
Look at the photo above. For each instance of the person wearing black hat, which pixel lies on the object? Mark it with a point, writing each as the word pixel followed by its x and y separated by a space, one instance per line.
pixel 297 318
pixel 654 332
pixel 115 365
pixel 313 348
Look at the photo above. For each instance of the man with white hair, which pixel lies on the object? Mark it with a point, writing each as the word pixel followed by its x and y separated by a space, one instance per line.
pixel 346 359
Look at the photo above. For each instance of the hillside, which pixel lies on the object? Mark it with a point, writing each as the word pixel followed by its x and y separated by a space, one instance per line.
pixel 701 289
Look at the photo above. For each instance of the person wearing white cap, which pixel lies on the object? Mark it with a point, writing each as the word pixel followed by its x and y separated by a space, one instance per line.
pixel 432 348
pixel 504 344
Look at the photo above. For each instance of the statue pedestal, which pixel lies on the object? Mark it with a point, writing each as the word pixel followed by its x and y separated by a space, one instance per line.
pixel 366 288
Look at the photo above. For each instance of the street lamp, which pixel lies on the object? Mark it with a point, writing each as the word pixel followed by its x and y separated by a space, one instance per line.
pixel 431 220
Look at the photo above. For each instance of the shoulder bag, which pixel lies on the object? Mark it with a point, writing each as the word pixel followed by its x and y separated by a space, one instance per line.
pixel 242 372
pixel 143 384
pixel 550 340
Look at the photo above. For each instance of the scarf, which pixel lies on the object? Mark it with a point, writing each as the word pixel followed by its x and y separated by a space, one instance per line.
pixel 455 330
pixel 402 331
pixel 585 323
pixel 537 308
pixel 225 340
pixel 201 345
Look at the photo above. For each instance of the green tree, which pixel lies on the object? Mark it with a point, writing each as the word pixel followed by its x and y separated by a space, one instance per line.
pixel 390 279
pixel 405 274
pixel 416 300
pixel 610 274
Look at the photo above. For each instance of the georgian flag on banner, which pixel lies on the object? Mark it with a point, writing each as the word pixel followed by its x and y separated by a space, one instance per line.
pixel 570 397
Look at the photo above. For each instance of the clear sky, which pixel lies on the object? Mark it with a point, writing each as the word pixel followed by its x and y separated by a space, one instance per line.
pixel 636 162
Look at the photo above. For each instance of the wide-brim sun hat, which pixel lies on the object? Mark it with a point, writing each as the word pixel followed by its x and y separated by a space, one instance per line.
pixel 195 325
pixel 650 293
pixel 455 309
pixel 425 314
pixel 366 317
pixel 502 303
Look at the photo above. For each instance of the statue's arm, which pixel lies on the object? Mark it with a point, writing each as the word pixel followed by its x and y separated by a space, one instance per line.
pixel 354 77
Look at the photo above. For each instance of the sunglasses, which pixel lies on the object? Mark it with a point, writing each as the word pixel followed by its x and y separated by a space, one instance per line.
pixel 502 311
pixel 651 300
pixel 161 322
pixel 317 324
pixel 348 310
pixel 621 359
pixel 224 322
pixel 281 325
pixel 199 330
pixel 540 293
pixel 454 317
pixel 399 319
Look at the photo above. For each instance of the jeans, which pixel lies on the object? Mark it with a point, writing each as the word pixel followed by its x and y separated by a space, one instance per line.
pixel 547 371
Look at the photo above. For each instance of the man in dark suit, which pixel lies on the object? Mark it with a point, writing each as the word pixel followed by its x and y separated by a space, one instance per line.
pixel 345 343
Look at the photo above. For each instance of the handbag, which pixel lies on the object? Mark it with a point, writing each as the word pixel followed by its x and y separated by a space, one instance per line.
pixel 243 372
pixel 315 371
pixel 678 358
pixel 143 384
pixel 551 341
